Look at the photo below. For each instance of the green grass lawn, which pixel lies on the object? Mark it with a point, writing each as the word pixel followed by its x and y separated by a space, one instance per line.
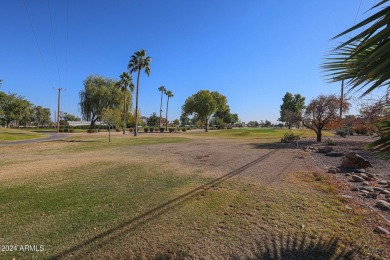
pixel 8 135
pixel 119 207
pixel 259 133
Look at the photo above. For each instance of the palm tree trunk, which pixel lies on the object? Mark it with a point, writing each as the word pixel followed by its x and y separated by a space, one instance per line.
pixel 124 111
pixel 159 122
pixel 166 119
pixel 136 105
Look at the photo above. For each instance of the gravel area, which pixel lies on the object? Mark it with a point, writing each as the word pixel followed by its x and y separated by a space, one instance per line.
pixel 360 191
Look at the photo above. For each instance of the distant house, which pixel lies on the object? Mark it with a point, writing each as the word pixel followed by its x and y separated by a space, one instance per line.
pixel 144 120
pixel 83 122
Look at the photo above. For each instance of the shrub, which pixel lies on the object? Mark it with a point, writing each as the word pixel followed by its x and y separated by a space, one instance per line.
pixel 146 129
pixel 171 130
pixel 151 129
pixel 184 129
pixel 162 129
pixel 131 130
pixel 361 130
pixel 290 137
pixel 61 130
pixel 330 142
pixel 71 130
pixel 90 131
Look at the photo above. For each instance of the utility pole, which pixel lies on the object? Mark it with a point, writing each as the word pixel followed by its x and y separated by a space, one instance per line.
pixel 58 111
pixel 341 104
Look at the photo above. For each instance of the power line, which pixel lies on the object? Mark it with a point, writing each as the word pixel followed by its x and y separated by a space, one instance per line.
pixel 36 41
pixel 54 42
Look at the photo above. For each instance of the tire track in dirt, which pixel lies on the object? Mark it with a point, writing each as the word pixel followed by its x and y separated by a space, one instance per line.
pixel 134 223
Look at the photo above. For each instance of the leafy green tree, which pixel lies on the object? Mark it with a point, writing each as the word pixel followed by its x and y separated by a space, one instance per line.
pixel 321 112
pixel 70 117
pixel 169 95
pixel 176 122
pixel 98 93
pixel 139 61
pixel 153 120
pixel 363 62
pixel 42 116
pixel 163 91
pixel 203 104
pixel 111 117
pixel 125 82
pixel 222 106
pixel 234 118
pixel 291 108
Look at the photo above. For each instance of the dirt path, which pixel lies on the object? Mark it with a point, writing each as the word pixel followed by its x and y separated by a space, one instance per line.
pixel 51 137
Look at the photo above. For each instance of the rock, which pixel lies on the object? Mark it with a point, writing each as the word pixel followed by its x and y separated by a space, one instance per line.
pixel 386 192
pixel 364 191
pixel 368 188
pixel 334 154
pixel 377 189
pixel 347 196
pixel 382 182
pixel 324 149
pixel 357 178
pixel 370 175
pixel 382 230
pixel 372 195
pixel 365 183
pixel 333 171
pixel 353 160
pixel 348 207
pixel 360 170
pixel 355 189
pixel 347 174
pixel 383 205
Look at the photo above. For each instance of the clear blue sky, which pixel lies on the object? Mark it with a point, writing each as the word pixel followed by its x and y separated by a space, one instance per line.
pixel 251 51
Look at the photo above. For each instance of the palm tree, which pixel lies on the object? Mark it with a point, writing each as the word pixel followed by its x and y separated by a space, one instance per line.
pixel 163 91
pixel 169 95
pixel 125 82
pixel 138 61
pixel 363 61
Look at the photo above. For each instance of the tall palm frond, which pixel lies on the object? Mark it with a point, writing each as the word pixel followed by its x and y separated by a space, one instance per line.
pixel 364 59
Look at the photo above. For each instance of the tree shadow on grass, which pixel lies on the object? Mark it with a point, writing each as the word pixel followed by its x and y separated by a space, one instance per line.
pixel 80 251
pixel 299 247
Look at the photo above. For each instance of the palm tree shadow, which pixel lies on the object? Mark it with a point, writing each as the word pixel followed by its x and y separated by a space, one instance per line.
pixel 299 247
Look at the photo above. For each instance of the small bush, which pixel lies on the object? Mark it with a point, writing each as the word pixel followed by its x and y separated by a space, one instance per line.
pixel 90 131
pixel 71 130
pixel 131 130
pixel 146 129
pixel 183 129
pixel 162 129
pixel 151 129
pixel 61 130
pixel 361 130
pixel 171 130
pixel 341 133
pixel 290 137
pixel 330 142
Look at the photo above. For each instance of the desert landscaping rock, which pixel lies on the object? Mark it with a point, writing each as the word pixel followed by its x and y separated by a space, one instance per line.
pixel 325 149
pixel 355 189
pixel 386 192
pixel 365 183
pixel 333 171
pixel 335 154
pixel 382 182
pixel 382 230
pixel 383 205
pixel 357 178
pixel 368 188
pixel 353 160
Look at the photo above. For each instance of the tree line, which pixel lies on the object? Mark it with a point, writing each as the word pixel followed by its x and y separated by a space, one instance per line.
pixel 16 111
